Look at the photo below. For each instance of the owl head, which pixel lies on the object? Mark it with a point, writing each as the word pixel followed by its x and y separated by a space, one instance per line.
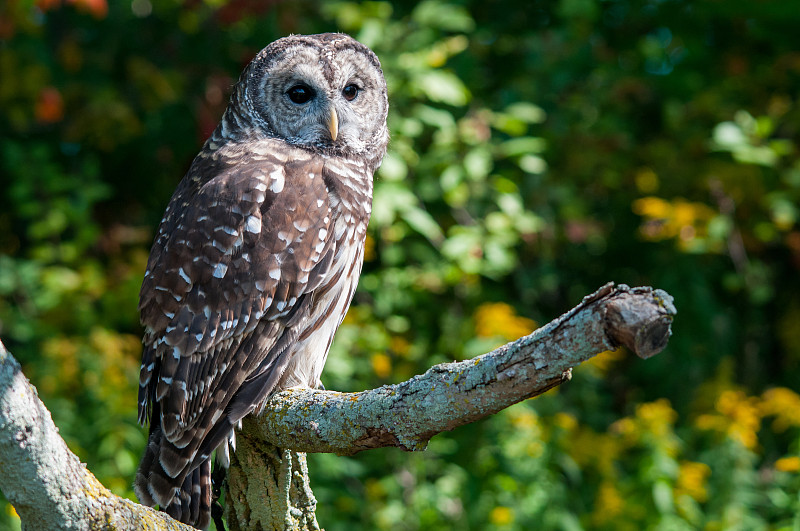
pixel 324 92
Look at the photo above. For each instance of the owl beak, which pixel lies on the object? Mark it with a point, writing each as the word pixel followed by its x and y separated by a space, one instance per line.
pixel 333 124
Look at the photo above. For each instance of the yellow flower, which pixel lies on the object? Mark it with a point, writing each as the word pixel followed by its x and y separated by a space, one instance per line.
pixel 738 417
pixel 672 219
pixel 565 421
pixel 381 364
pixel 652 207
pixel 606 359
pixel 627 428
pixel 369 248
pixel 608 504
pixel 523 418
pixel 399 345
pixel 498 319
pixel 650 425
pixel 597 450
pixel 711 422
pixel 657 417
pixel 744 415
pixel 692 478
pixel 784 405
pixel 788 464
pixel 501 516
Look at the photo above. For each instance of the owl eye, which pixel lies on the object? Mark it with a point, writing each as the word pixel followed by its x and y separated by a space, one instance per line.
pixel 300 94
pixel 350 92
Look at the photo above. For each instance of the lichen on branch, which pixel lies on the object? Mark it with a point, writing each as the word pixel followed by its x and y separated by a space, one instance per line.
pixel 408 414
pixel 51 489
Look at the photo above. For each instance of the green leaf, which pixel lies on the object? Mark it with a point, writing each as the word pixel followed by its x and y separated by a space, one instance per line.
pixel 422 222
pixel 442 86
pixel 478 163
pixel 448 17
pixel 662 497
pixel 522 146
pixel 527 112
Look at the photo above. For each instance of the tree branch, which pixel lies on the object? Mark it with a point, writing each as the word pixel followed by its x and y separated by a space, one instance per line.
pixel 51 489
pixel 46 483
pixel 449 395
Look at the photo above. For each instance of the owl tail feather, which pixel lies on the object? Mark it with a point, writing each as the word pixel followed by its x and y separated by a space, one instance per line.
pixel 186 499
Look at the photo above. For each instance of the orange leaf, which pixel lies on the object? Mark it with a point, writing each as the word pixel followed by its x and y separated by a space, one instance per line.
pixel 97 8
pixel 47 5
pixel 49 106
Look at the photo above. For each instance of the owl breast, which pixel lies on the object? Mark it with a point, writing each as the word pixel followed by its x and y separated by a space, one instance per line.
pixel 257 257
pixel 349 185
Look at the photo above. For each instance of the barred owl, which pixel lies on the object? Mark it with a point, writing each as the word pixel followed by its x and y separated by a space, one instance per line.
pixel 257 257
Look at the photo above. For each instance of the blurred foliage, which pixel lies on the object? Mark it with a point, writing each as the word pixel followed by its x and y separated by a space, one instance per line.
pixel 539 149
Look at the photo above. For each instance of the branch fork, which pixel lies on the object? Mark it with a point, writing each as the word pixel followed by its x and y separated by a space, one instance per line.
pixel 51 489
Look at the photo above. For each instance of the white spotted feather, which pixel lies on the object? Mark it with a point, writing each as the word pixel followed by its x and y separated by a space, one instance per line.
pixel 257 258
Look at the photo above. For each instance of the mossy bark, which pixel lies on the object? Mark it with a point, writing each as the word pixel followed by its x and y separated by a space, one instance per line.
pixel 268 489
pixel 268 478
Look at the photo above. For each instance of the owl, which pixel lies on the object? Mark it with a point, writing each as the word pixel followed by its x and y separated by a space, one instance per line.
pixel 257 257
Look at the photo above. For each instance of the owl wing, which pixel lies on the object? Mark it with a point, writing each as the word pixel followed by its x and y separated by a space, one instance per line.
pixel 231 272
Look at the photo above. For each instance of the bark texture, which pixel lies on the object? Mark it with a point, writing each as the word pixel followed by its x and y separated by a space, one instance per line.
pixel 268 487
pixel 408 414
pixel 449 395
pixel 46 483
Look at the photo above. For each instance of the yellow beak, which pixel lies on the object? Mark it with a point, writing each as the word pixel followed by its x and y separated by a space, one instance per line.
pixel 333 124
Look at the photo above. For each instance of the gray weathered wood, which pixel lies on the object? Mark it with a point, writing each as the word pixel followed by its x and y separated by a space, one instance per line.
pixel 45 482
pixel 408 414
pixel 269 487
